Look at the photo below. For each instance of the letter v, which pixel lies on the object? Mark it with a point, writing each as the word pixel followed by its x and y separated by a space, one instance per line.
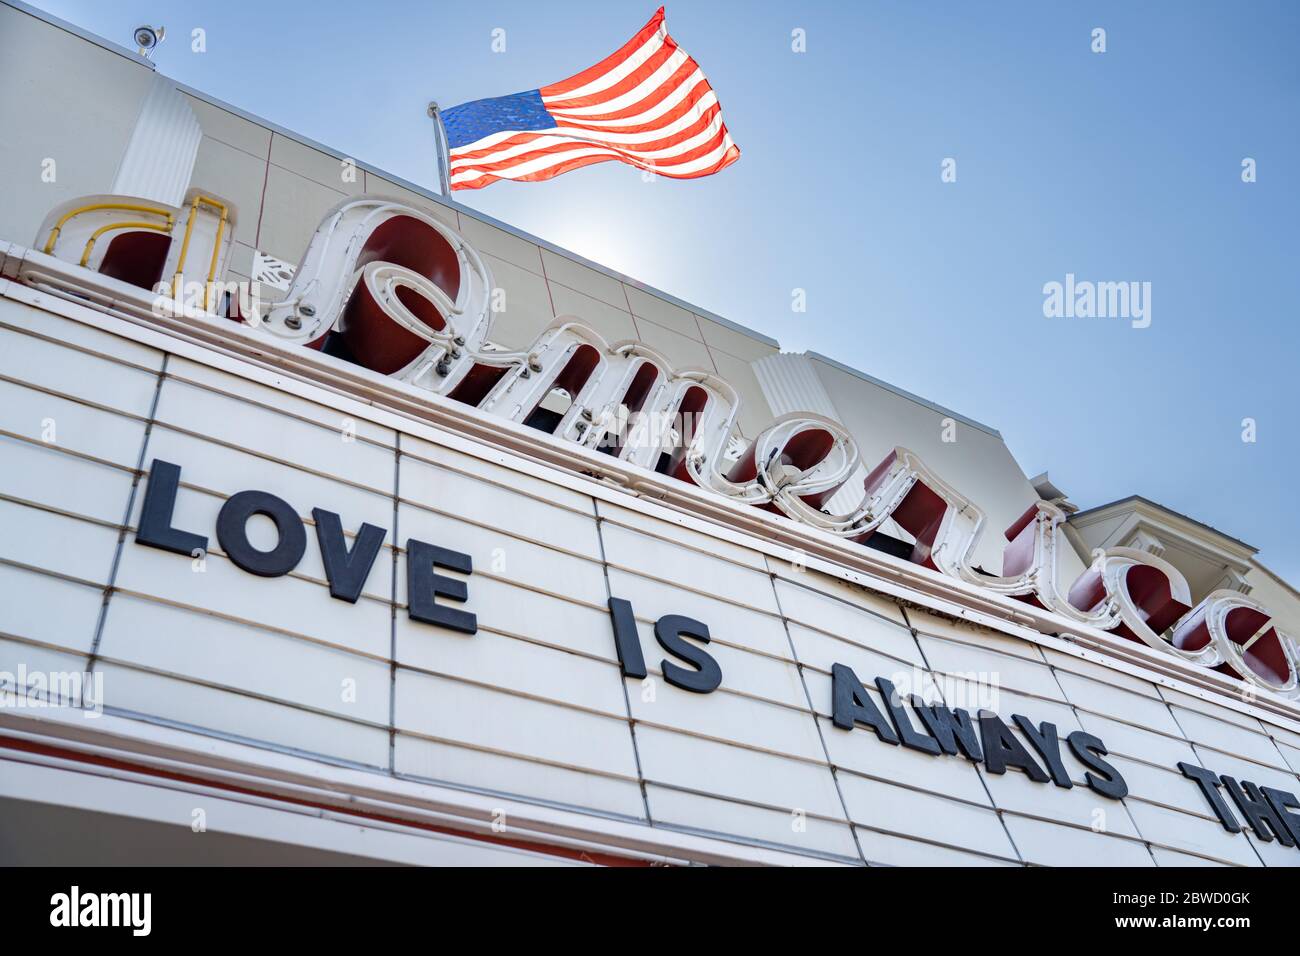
pixel 346 570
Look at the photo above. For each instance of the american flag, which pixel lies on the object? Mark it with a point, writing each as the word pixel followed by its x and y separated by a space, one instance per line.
pixel 649 105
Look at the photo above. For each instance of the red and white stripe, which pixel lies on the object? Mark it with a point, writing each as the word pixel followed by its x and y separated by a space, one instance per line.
pixel 649 105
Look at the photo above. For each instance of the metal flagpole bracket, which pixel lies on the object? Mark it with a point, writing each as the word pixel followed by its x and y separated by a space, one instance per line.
pixel 440 144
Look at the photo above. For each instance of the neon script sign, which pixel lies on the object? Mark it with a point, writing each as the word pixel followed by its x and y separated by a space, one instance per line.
pixel 390 288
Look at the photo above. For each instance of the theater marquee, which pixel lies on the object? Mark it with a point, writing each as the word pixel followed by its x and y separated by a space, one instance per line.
pixel 928 727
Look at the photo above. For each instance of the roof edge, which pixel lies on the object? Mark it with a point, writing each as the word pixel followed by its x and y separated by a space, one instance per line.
pixel 904 393
pixel 77 31
pixel 1086 512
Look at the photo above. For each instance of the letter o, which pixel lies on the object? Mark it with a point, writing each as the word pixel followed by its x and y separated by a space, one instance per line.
pixel 232 534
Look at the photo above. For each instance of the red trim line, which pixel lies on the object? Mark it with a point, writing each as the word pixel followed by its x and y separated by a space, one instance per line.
pixel 601 859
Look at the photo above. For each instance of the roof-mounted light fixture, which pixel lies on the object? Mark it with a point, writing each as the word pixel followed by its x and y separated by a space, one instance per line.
pixel 147 38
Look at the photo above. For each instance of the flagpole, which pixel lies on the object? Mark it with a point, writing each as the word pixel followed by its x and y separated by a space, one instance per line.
pixel 440 147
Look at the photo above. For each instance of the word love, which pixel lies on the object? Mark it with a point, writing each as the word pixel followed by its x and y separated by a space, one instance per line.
pixel 346 568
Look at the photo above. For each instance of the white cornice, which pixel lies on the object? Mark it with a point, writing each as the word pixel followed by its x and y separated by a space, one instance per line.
pixel 1172 528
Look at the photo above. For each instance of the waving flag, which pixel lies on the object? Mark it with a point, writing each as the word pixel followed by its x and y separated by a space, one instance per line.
pixel 649 105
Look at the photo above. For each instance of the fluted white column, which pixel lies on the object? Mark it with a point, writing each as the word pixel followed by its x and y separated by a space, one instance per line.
pixel 159 159
pixel 790 384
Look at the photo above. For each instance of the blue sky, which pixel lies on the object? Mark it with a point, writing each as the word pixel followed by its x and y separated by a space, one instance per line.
pixel 1121 166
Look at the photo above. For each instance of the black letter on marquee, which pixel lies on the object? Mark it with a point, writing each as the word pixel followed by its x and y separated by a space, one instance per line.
pixel 1257 811
pixel 1086 747
pixel 668 631
pixel 232 533
pixel 1208 781
pixel 1048 746
pixel 346 570
pixel 626 640
pixel 1002 749
pixel 1281 799
pixel 952 728
pixel 156 515
pixel 907 733
pixel 851 704
pixel 424 585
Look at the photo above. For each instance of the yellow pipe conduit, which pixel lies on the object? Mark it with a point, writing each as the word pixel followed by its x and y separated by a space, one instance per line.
pixel 199 200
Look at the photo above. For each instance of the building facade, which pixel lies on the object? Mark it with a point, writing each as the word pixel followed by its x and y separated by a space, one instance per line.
pixel 344 524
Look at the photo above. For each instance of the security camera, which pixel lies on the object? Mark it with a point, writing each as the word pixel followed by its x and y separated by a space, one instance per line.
pixel 146 38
